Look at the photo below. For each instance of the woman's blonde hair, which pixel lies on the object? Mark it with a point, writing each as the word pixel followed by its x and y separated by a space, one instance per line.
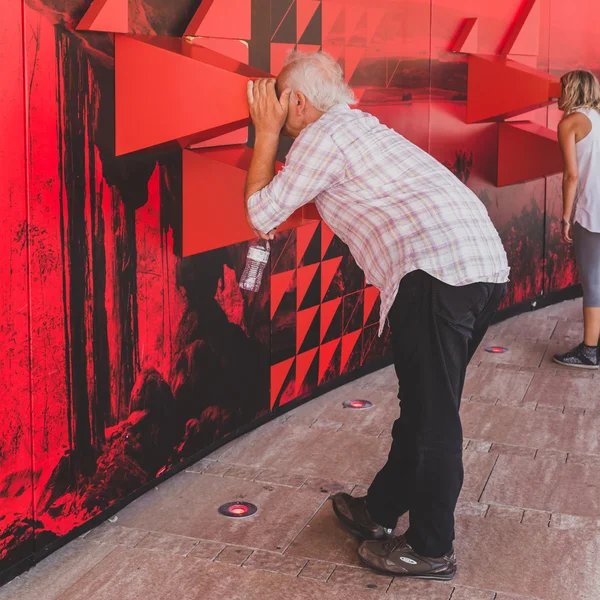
pixel 580 90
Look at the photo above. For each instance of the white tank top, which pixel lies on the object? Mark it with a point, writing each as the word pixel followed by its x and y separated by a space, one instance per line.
pixel 587 208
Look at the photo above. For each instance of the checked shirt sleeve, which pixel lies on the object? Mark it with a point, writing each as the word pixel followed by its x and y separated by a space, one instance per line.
pixel 314 164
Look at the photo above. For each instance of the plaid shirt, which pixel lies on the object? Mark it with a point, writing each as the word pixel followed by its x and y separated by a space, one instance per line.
pixel 396 207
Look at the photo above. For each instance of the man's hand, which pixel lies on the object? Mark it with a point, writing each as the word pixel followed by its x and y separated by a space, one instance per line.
pixel 268 112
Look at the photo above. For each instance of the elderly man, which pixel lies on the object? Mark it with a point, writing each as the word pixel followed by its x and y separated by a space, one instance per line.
pixel 427 243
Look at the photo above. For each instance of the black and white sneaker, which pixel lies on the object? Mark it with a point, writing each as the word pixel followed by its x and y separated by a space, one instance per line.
pixel 581 357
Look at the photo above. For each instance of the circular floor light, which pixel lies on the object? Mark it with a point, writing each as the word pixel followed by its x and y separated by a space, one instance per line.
pixel 358 404
pixel 238 509
pixel 496 349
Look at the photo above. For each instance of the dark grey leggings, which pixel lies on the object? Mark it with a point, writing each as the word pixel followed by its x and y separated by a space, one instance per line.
pixel 587 251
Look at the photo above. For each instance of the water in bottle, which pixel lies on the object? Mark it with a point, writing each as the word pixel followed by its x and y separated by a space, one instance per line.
pixel 256 261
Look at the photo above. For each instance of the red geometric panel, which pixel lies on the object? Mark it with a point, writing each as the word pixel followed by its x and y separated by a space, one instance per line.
pixel 305 10
pixel 354 54
pixel 524 36
pixel 332 17
pixel 106 15
pixel 303 364
pixel 169 102
pixel 307 48
pixel 304 236
pixel 371 295
pixel 526 151
pixel 468 39
pixel 326 237
pixel 279 53
pixel 305 319
pixel 328 270
pixel 238 50
pixel 211 175
pixel 305 278
pixel 222 19
pixel 489 79
pixel 280 284
pixel 348 345
pixel 279 374
pixel 328 310
pixel 355 15
pixel 374 19
pixel 326 356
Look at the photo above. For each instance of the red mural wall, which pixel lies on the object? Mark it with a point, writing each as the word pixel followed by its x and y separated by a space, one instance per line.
pixel 123 354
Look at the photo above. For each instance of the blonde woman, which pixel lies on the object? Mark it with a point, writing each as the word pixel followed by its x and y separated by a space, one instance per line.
pixel 579 139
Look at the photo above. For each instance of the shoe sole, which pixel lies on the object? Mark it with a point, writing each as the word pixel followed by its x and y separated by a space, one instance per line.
pixel 355 532
pixel 563 364
pixel 430 576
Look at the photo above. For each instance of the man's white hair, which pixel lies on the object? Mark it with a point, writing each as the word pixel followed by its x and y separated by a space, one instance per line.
pixel 319 78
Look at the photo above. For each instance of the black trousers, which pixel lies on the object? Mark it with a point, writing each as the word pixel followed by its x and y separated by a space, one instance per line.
pixel 435 331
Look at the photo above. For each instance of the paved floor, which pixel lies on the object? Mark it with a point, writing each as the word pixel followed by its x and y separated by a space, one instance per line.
pixel 528 521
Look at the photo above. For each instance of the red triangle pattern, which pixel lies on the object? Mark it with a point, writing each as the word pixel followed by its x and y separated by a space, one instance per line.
pixel 328 270
pixel 230 19
pixel 374 18
pixel 524 38
pixel 326 238
pixel 468 40
pixel 354 15
pixel 279 373
pixel 304 319
pixel 371 294
pixel 331 14
pixel 279 53
pixel 106 15
pixel 303 364
pixel 328 310
pixel 305 278
pixel 303 237
pixel 354 55
pixel 305 11
pixel 325 357
pixel 348 345
pixel 280 284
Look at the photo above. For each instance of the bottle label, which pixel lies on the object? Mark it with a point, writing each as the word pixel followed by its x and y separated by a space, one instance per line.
pixel 258 254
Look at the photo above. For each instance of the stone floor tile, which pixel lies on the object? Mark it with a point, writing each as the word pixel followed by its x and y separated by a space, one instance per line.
pixel 54 575
pixel 557 455
pixel 324 486
pixel 530 326
pixel 561 521
pixel 539 429
pixel 570 310
pixel 502 596
pixel 479 446
pixel 360 491
pixel 557 408
pixel 511 450
pixel 584 459
pixel 241 472
pixel 169 544
pixel 271 561
pixel 207 550
pixel 200 466
pixel 299 421
pixel 325 424
pixel 545 563
pixel 418 589
pixel 471 509
pixel 192 511
pixel 509 513
pixel 528 354
pixel 360 578
pixel 536 518
pixel 467 593
pixel 217 469
pixel 545 485
pixel 491 400
pixel 107 533
pixel 350 456
pixel 487 381
pixel 317 569
pixel 563 391
pixel 233 555
pixel 568 330
pixel 478 467
pixel 278 478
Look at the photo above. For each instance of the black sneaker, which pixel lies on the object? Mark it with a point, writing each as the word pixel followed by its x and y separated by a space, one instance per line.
pixel 354 516
pixel 396 557
pixel 579 357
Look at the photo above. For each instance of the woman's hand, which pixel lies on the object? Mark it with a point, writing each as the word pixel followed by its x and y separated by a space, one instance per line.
pixel 567 231
pixel 268 112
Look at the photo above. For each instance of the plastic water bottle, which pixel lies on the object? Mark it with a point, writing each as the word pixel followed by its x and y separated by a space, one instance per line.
pixel 256 261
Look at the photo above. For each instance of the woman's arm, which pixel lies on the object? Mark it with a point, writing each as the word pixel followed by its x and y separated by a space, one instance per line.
pixel 567 140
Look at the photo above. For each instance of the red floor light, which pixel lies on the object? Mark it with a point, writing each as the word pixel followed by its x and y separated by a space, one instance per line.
pixel 496 349
pixel 238 509
pixel 357 404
